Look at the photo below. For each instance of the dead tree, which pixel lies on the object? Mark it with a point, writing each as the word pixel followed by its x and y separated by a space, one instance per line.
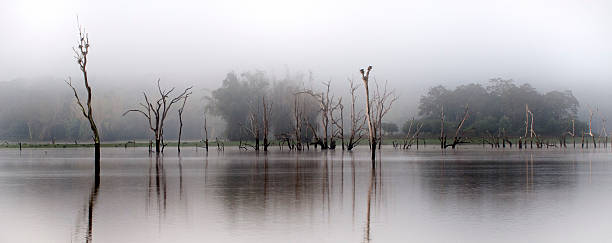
pixel 411 137
pixel 459 139
pixel 205 133
pixel 365 76
pixel 523 139
pixel 317 139
pixel 81 52
pixel 357 121
pixel 383 101
pixel 442 135
pixel 604 131
pixel 325 103
pixel 506 139
pixel 339 123
pixel 297 116
pixel 590 131
pixel 267 112
pixel 254 128
pixel 180 116
pixel 529 128
pixel 336 127
pixel 326 110
pixel 532 134
pixel 156 112
pixel 571 132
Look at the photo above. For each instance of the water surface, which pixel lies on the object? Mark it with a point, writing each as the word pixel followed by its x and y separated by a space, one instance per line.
pixel 467 195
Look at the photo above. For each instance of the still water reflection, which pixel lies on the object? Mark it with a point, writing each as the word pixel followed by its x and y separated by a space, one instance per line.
pixel 468 195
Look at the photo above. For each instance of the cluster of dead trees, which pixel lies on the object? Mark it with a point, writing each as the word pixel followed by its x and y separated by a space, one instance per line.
pixel 325 135
pixel 156 111
pixel 414 131
pixel 331 130
pixel 530 137
pixel 411 137
pixel 501 139
pixel 258 125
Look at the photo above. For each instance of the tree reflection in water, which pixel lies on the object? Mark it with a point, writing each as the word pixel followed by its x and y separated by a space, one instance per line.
pixel 157 181
pixel 264 186
pixel 375 189
pixel 88 212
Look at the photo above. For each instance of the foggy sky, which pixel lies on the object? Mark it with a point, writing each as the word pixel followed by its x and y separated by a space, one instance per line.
pixel 413 44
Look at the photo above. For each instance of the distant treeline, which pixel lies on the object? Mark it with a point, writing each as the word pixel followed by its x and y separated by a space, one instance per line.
pixel 46 110
pixel 498 108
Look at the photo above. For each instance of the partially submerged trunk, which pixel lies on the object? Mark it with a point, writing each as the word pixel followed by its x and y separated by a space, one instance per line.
pixel 97 158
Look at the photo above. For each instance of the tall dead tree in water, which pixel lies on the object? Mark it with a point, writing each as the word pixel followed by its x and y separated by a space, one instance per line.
pixel 266 122
pixel 205 132
pixel 358 120
pixel 81 52
pixel 156 112
pixel 384 100
pixel 365 76
pixel 180 116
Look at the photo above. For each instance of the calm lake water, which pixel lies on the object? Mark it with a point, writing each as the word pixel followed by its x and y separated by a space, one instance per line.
pixel 467 195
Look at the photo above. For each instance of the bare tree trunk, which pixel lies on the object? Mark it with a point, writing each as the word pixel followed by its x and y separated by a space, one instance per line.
pixel 81 55
pixel 365 77
pixel 297 116
pixel 97 158
pixel 180 116
pixel 178 146
pixel 383 105
pixel 205 133
pixel 266 123
pixel 442 140
pixel 157 147
pixel 342 125
pixel 357 121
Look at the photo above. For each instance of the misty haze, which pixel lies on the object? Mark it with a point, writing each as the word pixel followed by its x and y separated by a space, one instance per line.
pixel 305 121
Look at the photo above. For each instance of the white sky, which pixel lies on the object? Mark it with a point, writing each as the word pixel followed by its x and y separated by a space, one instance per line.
pixel 413 44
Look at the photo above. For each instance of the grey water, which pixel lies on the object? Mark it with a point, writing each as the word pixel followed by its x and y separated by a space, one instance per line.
pixel 466 195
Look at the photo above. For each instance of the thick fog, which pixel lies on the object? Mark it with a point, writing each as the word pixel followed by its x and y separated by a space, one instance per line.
pixel 554 45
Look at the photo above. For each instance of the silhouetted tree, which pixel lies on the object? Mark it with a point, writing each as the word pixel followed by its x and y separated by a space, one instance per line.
pixel 81 52
pixel 156 112
pixel 180 117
